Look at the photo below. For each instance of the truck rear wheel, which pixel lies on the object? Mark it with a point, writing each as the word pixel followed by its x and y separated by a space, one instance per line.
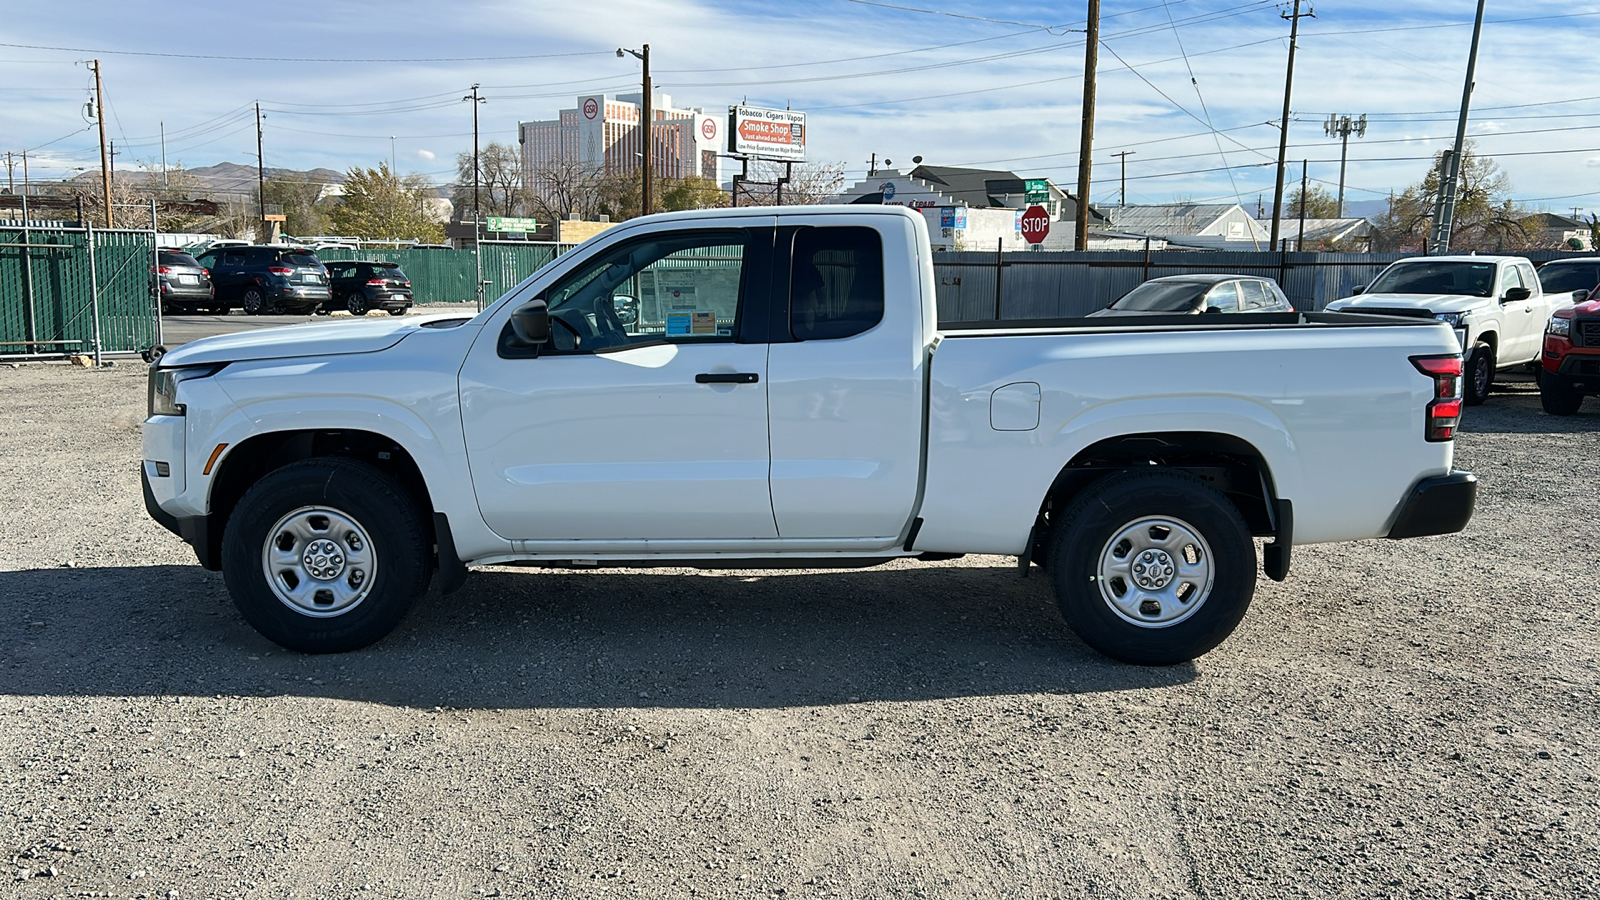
pixel 1152 568
pixel 325 555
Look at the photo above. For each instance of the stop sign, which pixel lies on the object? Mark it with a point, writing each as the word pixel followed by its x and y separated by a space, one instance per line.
pixel 1035 224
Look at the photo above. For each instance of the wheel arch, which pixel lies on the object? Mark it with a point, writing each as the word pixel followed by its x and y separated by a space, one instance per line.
pixel 1231 464
pixel 253 458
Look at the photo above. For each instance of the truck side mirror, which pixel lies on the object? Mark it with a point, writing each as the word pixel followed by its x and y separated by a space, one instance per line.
pixel 1517 293
pixel 1357 289
pixel 531 322
pixel 1580 295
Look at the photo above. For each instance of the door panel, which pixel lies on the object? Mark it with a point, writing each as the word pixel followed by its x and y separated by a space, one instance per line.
pixel 846 397
pixel 644 417
pixel 623 445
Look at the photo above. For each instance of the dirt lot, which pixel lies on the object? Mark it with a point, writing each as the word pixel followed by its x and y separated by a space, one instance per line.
pixel 1414 718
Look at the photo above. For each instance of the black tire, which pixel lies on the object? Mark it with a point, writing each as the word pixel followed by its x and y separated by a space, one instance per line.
pixel 397 550
pixel 356 303
pixel 1557 396
pixel 1477 377
pixel 1132 502
pixel 167 309
pixel 398 312
pixel 253 302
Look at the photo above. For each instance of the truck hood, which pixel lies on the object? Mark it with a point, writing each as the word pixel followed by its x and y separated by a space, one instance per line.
pixel 1434 303
pixel 1586 308
pixel 318 339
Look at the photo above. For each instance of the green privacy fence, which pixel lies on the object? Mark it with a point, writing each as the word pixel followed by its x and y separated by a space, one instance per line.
pixel 447 276
pixel 52 304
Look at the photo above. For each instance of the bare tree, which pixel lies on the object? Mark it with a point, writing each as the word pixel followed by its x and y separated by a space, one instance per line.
pixel 809 183
pixel 500 188
pixel 565 189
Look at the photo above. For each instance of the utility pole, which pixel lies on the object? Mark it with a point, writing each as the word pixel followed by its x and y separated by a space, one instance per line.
pixel 647 154
pixel 1283 131
pixel 1447 184
pixel 1300 244
pixel 391 154
pixel 105 161
pixel 1343 126
pixel 1091 60
pixel 475 207
pixel 1123 156
pixel 261 168
pixel 11 181
pixel 649 144
pixel 872 167
pixel 163 153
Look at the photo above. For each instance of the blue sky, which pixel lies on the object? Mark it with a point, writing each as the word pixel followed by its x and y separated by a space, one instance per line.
pixel 1188 85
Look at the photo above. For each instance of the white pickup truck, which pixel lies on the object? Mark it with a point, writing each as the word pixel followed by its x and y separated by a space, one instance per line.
pixel 1495 304
pixel 771 387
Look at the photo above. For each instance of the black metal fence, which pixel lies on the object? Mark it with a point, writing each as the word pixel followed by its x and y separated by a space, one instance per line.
pixel 979 286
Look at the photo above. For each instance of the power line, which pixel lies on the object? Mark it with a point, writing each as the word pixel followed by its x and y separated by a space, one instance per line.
pixel 386 60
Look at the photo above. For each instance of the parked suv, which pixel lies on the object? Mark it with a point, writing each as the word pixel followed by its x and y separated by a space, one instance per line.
pixel 1570 368
pixel 183 284
pixel 360 286
pixel 1181 295
pixel 268 279
pixel 1495 304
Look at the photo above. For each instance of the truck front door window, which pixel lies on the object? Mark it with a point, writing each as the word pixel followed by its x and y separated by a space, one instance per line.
pixel 677 288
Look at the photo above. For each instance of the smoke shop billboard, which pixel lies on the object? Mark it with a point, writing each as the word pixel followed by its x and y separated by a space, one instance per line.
pixel 767 133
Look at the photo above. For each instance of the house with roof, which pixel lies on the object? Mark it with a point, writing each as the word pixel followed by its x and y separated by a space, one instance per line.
pixel 1213 226
pixel 1348 235
pixel 1559 231
pixel 971 209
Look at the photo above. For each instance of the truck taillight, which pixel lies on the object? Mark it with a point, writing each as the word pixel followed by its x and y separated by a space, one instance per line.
pixel 280 270
pixel 160 270
pixel 1443 413
pixel 379 282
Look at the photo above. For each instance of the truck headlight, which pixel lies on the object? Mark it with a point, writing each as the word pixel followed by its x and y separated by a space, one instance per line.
pixel 163 384
pixel 1559 326
pixel 1454 320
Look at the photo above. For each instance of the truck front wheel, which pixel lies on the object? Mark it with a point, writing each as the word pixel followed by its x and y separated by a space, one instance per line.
pixel 1152 568
pixel 1557 396
pixel 1479 375
pixel 325 555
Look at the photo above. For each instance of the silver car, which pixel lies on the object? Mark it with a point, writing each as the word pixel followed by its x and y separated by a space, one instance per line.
pixel 1185 295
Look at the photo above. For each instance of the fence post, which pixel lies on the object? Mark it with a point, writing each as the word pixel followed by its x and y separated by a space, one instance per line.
pixel 999 265
pixel 94 290
pixel 1283 263
pixel 32 331
pixel 155 262
pixel 1146 257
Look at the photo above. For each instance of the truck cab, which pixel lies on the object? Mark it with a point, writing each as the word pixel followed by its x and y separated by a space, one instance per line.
pixel 1495 305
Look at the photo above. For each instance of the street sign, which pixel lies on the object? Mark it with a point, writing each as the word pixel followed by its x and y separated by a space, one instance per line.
pixel 1035 224
pixel 1038 189
pixel 511 224
pixel 767 133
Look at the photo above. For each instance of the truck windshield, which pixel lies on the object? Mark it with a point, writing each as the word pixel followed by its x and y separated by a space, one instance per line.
pixel 1163 296
pixel 1572 277
pixel 1466 278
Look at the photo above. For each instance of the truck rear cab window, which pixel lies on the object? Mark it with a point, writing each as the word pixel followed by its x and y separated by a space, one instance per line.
pixel 836 286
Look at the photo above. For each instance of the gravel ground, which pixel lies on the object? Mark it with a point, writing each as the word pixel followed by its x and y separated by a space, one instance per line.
pixel 1413 718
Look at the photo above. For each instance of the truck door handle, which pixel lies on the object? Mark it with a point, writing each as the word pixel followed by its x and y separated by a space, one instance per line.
pixel 727 378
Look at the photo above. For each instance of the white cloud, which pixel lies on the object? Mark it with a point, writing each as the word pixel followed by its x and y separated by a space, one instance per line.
pixel 425 154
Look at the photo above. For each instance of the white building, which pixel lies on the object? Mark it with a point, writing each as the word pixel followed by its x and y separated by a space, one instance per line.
pixel 604 134
pixel 972 209
pixel 1218 226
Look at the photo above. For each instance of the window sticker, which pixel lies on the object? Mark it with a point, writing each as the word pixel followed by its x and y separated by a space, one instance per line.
pixel 703 321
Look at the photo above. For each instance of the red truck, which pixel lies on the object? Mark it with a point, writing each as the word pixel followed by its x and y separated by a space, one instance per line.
pixel 1570 364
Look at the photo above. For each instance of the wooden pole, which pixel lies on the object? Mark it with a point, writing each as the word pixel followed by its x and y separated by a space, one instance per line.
pixel 1283 129
pixel 105 162
pixel 1091 60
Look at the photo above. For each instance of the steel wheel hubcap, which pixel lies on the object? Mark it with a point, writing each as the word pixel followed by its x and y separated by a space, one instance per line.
pixel 319 561
pixel 1155 572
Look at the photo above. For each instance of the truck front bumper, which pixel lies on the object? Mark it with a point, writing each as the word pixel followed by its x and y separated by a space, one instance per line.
pixel 195 530
pixel 1439 505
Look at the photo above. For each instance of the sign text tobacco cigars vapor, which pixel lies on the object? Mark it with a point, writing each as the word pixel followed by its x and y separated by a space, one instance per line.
pixel 767 133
